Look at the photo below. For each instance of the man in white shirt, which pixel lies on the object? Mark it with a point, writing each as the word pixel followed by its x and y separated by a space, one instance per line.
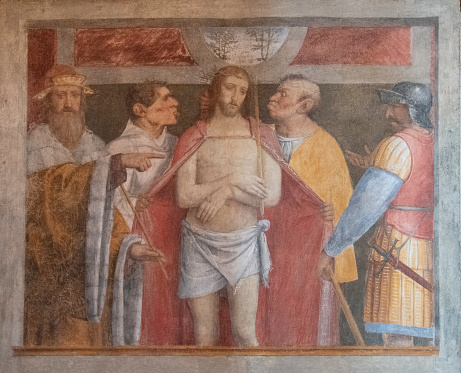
pixel 152 109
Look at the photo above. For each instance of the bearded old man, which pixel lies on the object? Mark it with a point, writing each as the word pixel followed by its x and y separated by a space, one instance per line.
pixel 79 251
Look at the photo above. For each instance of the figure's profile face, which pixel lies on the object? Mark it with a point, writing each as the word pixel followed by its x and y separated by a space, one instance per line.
pixel 285 102
pixel 232 94
pixel 164 111
pixel 399 117
pixel 66 99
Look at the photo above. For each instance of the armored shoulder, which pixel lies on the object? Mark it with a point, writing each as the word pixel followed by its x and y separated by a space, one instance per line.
pixel 393 155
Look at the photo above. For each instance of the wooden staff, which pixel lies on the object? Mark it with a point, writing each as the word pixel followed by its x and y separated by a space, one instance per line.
pixel 347 312
pixel 143 228
pixel 258 146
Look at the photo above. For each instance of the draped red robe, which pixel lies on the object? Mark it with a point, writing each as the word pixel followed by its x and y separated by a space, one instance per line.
pixel 288 310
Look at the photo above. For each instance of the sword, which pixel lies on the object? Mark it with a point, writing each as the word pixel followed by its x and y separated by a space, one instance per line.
pixel 397 264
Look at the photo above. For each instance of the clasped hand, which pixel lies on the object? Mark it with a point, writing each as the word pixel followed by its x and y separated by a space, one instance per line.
pixel 211 205
pixel 251 184
pixel 248 183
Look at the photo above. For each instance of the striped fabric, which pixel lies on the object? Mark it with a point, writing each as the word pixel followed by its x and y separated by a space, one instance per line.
pixel 393 155
pixel 392 297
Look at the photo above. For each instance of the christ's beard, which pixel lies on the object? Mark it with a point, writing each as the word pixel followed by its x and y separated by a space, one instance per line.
pixel 229 110
pixel 67 127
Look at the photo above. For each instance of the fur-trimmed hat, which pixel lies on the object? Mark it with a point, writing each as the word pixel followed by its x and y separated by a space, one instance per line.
pixel 60 75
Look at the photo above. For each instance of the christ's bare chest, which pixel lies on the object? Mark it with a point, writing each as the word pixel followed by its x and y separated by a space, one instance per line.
pixel 218 157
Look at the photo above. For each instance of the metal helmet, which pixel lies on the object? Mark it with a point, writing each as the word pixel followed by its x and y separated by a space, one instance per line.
pixel 417 96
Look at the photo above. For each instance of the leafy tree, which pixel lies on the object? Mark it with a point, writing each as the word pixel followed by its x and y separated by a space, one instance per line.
pixel 264 38
pixel 221 42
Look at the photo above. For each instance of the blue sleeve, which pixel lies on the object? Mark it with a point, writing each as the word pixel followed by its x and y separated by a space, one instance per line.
pixel 372 195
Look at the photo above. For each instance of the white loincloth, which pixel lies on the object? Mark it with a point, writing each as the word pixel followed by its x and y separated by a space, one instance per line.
pixel 210 261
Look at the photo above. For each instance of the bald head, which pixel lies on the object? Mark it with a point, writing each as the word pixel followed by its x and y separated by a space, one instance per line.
pixel 295 96
pixel 306 89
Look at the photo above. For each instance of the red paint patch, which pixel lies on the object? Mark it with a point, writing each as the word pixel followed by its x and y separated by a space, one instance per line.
pixel 355 46
pixel 41 56
pixel 131 47
pixel 433 82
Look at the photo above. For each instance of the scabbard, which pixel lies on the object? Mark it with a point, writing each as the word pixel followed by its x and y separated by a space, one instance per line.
pixel 407 271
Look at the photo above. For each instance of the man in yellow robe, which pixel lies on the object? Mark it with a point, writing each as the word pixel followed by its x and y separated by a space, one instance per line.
pixel 318 160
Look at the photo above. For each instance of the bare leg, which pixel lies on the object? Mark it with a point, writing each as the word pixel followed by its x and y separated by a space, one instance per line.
pixel 205 311
pixel 243 304
pixel 397 340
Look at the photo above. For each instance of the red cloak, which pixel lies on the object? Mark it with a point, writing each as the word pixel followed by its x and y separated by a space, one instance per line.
pixel 288 310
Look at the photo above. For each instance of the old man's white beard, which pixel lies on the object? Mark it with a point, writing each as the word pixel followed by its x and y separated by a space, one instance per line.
pixel 67 127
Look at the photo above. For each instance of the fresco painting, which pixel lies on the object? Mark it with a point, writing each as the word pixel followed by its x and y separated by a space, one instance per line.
pixel 244 46
pixel 174 199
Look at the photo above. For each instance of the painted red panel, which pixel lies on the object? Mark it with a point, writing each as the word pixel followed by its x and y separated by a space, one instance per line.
pixel 131 47
pixel 355 46
pixel 41 55
pixel 433 82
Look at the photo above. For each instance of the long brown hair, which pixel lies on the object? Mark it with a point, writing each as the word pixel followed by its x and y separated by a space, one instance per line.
pixel 215 89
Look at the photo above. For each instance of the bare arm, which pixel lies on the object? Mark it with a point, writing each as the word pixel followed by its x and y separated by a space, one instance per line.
pixel 272 180
pixel 190 194
pixel 245 193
